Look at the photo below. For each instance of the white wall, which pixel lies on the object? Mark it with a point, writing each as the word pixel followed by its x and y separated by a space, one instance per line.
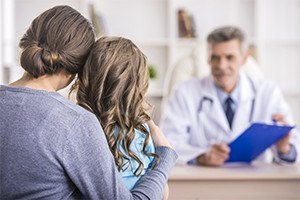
pixel 7 48
pixel 274 25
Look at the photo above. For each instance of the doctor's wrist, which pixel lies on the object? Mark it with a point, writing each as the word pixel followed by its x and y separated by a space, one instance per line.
pixel 203 159
pixel 284 148
pixel 200 159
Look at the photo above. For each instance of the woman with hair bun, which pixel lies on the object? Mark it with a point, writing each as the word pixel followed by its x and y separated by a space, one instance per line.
pixel 51 148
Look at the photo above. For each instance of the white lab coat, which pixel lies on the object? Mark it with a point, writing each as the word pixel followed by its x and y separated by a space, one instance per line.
pixel 194 117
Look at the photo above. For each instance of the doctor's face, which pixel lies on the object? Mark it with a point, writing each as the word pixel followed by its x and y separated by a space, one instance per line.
pixel 226 59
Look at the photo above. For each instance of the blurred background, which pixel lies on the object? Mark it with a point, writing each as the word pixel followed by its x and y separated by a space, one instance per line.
pixel 172 34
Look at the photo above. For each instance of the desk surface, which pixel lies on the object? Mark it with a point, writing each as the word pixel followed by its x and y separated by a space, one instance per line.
pixel 251 182
pixel 265 171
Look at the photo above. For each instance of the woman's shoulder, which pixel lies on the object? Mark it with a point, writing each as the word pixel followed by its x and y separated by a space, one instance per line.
pixel 71 112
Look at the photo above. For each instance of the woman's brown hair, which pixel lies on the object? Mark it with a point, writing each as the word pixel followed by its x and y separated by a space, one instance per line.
pixel 113 85
pixel 59 38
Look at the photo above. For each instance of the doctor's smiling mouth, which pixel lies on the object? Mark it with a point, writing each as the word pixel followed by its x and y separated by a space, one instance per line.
pixel 222 75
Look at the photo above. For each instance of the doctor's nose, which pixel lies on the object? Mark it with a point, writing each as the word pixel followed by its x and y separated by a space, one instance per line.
pixel 223 64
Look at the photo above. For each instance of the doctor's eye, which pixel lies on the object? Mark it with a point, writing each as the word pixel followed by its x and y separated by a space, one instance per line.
pixel 215 58
pixel 230 58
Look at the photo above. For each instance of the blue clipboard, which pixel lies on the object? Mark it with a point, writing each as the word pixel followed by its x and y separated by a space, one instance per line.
pixel 255 140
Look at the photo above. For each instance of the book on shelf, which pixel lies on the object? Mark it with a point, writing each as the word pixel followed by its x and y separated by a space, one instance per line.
pixel 186 24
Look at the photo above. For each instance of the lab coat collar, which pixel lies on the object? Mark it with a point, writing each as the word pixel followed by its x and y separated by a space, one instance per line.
pixel 247 96
pixel 209 89
pixel 216 113
pixel 247 88
pixel 234 95
pixel 247 92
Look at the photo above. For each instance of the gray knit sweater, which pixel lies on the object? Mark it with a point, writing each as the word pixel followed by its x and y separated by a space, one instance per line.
pixel 54 149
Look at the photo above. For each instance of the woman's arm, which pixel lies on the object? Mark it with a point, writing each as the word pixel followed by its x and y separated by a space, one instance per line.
pixel 91 166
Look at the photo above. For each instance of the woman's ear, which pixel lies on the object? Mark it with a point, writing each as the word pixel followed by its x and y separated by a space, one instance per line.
pixel 70 78
pixel 65 78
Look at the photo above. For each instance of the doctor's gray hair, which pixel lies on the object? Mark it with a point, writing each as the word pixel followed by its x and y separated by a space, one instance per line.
pixel 227 33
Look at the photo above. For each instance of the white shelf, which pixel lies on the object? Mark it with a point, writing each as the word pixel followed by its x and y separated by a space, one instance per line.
pixel 289 42
pixel 187 42
pixel 152 42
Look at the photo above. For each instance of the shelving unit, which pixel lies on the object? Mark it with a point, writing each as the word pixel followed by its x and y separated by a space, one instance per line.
pixel 145 22
pixel 157 33
pixel 273 26
pixel 277 44
pixel 280 47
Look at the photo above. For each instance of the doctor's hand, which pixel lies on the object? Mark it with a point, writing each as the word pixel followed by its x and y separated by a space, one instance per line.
pixel 158 137
pixel 283 145
pixel 216 156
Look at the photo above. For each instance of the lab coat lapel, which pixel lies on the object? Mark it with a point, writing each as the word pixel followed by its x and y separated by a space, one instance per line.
pixel 242 114
pixel 216 113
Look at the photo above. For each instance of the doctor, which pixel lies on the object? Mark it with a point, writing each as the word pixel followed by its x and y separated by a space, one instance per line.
pixel 203 116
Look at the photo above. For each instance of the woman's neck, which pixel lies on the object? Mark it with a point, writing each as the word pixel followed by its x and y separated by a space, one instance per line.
pixel 47 82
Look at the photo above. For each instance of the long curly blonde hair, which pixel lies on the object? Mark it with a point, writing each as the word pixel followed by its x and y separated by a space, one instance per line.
pixel 112 85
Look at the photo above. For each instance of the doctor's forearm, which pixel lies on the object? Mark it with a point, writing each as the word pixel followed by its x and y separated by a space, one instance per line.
pixel 284 149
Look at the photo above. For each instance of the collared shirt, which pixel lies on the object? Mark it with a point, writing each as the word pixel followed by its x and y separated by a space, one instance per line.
pixel 130 164
pixel 234 95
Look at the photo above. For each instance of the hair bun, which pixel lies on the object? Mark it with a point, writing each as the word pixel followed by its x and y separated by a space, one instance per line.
pixel 59 38
pixel 38 60
pixel 49 58
pixel 31 59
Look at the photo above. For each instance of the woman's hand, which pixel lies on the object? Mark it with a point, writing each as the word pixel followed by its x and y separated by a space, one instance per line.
pixel 159 138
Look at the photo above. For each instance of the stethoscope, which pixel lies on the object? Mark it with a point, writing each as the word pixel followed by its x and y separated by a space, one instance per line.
pixel 208 100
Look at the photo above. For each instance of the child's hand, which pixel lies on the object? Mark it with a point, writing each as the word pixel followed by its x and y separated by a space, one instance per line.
pixel 159 138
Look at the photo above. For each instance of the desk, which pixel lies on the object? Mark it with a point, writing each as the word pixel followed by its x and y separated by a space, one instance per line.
pixel 257 181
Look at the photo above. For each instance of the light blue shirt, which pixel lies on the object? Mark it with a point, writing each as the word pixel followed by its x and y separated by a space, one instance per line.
pixel 136 147
pixel 235 96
